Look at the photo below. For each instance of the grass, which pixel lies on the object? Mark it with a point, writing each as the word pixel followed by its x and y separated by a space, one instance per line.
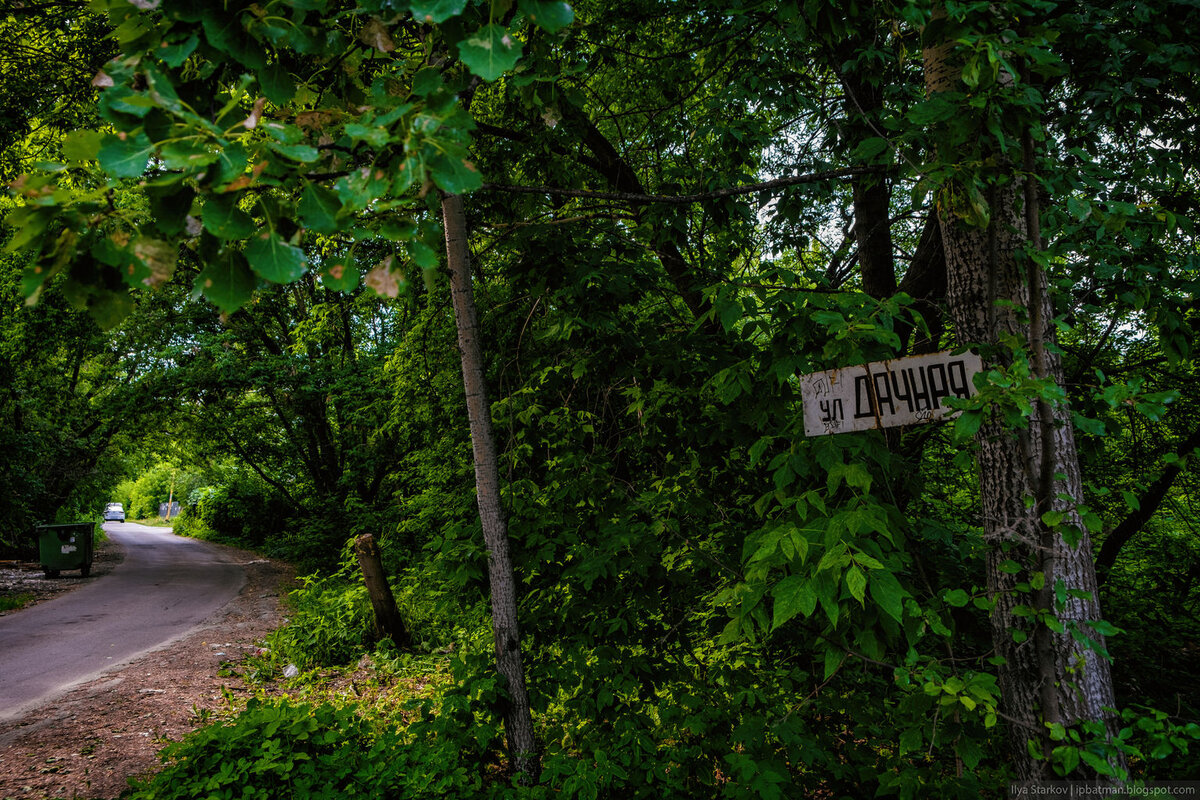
pixel 15 602
pixel 154 522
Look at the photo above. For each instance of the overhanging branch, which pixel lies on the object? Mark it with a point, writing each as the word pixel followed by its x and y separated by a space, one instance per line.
pixel 685 199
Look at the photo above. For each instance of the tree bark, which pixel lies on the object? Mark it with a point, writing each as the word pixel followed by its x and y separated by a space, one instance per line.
pixel 518 719
pixel 388 622
pixel 1048 677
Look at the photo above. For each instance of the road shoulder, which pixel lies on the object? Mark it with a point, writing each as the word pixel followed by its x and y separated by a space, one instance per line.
pixel 88 742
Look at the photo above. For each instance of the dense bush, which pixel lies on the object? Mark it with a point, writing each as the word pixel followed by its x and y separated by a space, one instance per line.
pixel 276 749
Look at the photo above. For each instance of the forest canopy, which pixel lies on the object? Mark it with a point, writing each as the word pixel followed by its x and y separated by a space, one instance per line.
pixel 526 290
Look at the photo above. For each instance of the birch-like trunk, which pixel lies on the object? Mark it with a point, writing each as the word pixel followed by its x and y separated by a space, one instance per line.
pixel 518 719
pixel 993 293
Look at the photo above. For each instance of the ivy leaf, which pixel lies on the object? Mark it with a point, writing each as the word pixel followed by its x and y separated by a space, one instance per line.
pixel 549 17
pixel 227 282
pixel 125 158
pixel 274 259
pixel 319 208
pixel 437 11
pixel 491 52
pixel 222 218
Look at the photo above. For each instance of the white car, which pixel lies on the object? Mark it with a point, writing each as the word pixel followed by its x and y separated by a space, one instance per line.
pixel 114 512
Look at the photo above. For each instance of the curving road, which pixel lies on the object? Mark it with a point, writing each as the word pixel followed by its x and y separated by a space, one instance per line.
pixel 165 587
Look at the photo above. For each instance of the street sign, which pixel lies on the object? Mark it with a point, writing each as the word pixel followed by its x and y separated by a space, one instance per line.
pixel 883 394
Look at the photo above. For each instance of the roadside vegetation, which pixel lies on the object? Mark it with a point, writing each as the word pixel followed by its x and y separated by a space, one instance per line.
pixel 526 291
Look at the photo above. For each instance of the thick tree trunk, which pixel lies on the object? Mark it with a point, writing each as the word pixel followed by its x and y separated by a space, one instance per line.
pixel 518 719
pixel 388 622
pixel 1047 677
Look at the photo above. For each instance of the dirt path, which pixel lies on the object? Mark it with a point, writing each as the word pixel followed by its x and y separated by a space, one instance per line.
pixel 88 742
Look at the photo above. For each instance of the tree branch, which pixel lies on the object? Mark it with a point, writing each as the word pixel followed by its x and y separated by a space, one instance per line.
pixel 1148 505
pixel 686 199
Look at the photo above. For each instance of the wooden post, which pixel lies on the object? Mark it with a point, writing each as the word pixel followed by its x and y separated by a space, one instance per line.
pixel 387 617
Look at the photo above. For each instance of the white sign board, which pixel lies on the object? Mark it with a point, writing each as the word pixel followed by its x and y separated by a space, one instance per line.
pixel 882 394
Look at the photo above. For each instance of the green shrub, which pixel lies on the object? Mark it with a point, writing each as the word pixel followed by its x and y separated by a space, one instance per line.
pixel 330 624
pixel 274 749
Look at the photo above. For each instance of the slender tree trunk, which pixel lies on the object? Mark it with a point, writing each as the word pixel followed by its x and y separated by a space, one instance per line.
pixel 1047 677
pixel 388 621
pixel 518 719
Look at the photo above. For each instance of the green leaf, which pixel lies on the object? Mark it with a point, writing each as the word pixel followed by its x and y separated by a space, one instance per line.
pixel 27 224
pixel 856 582
pixel 304 153
pixel 424 255
pixel 159 257
pixel 227 282
pixel 427 81
pixel 436 11
pixel 454 175
pixel 173 55
pixel 319 208
pixel 491 52
pixel 911 740
pixel 957 598
pixel 127 157
pixel 373 135
pixel 81 146
pixel 222 218
pixel 968 423
pixel 231 163
pixel 549 16
pixel 274 259
pixel 793 595
pixel 341 274
pixel 1065 758
pixel 887 593
pixel 869 148
pixel 969 751
pixel 188 154
pixel 277 84
pixel 833 660
pixel 171 205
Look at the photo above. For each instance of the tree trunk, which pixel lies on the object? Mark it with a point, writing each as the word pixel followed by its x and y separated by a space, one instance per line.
pixel 518 719
pixel 1048 677
pixel 388 622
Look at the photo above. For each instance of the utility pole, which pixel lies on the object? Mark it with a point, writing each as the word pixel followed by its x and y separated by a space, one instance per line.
pixel 171 496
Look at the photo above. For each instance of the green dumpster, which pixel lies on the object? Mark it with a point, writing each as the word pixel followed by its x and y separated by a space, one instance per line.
pixel 66 547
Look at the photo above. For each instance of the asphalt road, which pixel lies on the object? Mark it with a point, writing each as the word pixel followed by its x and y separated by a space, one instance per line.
pixel 165 587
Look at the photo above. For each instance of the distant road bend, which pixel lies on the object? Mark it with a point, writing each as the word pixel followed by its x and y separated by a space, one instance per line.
pixel 165 587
